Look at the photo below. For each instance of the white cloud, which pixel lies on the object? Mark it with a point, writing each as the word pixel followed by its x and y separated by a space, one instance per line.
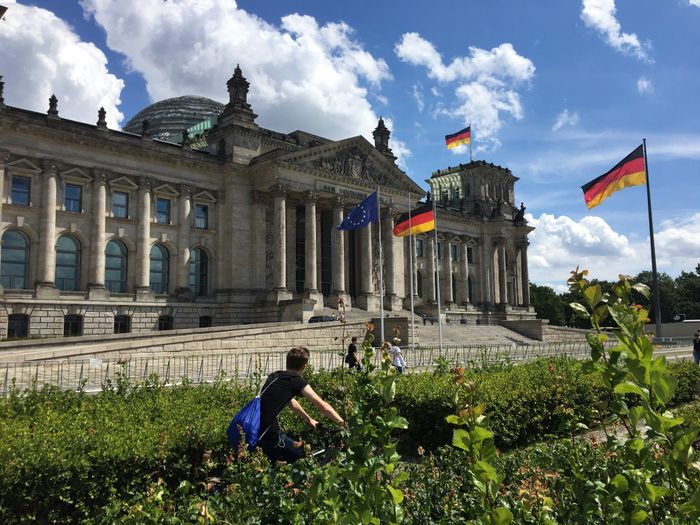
pixel 565 119
pixel 40 55
pixel 559 244
pixel 487 82
pixel 644 85
pixel 418 95
pixel 302 74
pixel 600 15
pixel 696 3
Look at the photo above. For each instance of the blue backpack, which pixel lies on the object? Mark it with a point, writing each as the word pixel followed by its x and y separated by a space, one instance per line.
pixel 247 423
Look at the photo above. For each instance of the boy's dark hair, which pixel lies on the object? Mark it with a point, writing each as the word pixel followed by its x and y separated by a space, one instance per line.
pixel 297 358
pixel 353 339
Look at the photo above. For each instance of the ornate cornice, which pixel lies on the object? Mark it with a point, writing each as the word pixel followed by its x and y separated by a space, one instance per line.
pixel 51 166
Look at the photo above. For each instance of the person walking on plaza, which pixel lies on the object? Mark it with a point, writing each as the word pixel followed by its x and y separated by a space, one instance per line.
pixel 279 390
pixel 696 348
pixel 396 356
pixel 351 358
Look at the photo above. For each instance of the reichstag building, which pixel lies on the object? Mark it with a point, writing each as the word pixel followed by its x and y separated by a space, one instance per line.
pixel 193 216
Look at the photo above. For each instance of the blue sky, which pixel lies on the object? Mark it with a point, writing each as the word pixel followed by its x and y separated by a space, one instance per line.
pixel 557 90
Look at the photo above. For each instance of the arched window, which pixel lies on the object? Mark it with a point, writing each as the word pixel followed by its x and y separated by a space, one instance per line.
pixel 14 260
pixel 68 263
pixel 419 284
pixel 199 269
pixel 17 326
pixel 160 269
pixel 115 267
pixel 122 324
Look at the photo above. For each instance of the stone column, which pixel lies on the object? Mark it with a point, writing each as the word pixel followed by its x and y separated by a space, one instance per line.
pixel 184 229
pixel 310 252
pixel 338 252
pixel 143 238
pixel 47 235
pixel 447 257
pixel 280 236
pixel 486 277
pixel 524 273
pixel 4 157
pixel 429 286
pixel 502 283
pixel 464 250
pixel 368 299
pixel 390 299
pixel 96 286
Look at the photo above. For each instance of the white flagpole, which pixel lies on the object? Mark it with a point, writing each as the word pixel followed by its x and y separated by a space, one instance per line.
pixel 437 276
pixel 411 251
pixel 381 268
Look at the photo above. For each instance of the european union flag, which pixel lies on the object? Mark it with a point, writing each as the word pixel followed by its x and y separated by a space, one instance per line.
pixel 361 215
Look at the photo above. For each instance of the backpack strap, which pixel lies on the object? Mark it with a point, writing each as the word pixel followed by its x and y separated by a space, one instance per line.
pixel 261 391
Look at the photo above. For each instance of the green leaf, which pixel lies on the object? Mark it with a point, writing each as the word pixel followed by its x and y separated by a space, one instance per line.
pixel 501 516
pixel 642 289
pixel 692 507
pixel 620 483
pixel 454 419
pixel 637 517
pixel 580 310
pixel 396 495
pixel 593 294
pixel 389 390
pixel 485 471
pixel 461 439
pixel 479 434
pixel 653 492
pixel 630 388
pixel 682 447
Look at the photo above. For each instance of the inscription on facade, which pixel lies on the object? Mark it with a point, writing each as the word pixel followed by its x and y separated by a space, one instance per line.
pixel 346 192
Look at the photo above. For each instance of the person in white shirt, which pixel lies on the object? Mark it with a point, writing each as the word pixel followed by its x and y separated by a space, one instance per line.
pixel 396 356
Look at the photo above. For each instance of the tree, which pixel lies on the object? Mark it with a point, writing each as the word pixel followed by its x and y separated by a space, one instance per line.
pixel 548 304
pixel 667 295
pixel 688 294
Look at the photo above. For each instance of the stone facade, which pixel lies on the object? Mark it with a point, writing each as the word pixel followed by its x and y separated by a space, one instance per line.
pixel 105 230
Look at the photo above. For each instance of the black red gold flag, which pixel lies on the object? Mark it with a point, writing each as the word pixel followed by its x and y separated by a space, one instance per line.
pixel 630 171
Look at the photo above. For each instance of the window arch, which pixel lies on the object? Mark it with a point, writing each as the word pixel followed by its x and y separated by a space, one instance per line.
pixel 14 260
pixel 199 271
pixel 68 252
pixel 115 267
pixel 160 269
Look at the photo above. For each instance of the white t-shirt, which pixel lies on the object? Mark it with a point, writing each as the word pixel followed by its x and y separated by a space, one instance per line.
pixel 396 357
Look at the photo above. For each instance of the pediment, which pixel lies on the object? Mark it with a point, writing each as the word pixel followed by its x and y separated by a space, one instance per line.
pixel 471 242
pixel 204 196
pixel 76 174
pixel 166 189
pixel 23 165
pixel 124 182
pixel 352 159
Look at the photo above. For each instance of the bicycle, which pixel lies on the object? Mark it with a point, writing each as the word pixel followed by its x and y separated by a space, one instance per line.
pixel 325 443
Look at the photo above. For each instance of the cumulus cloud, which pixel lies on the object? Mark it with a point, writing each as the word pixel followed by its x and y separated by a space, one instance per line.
pixel 696 3
pixel 559 244
pixel 644 85
pixel 565 119
pixel 600 15
pixel 487 82
pixel 302 74
pixel 41 55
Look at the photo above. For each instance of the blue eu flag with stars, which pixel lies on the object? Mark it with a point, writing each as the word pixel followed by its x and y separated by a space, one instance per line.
pixel 361 215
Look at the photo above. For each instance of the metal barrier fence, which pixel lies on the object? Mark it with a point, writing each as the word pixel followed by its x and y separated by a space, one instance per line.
pixel 92 374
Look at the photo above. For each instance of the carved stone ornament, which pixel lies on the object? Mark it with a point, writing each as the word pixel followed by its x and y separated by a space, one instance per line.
pixel 311 197
pixel 279 190
pixel 50 166
pixel 352 165
pixel 101 118
pixel 2 90
pixel 53 106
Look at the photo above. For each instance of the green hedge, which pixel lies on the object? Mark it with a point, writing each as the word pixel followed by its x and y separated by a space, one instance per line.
pixel 65 454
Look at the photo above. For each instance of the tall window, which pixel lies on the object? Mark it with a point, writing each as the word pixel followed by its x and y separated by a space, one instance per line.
pixel 17 326
pixel 73 198
pixel 72 325
pixel 470 254
pixel 122 324
pixel 453 252
pixel 419 284
pixel 21 189
pixel 14 260
pixel 165 322
pixel 160 267
pixel 198 272
pixel 120 205
pixel 419 247
pixel 439 250
pixel 201 216
pixel 68 264
pixel 162 211
pixel 115 267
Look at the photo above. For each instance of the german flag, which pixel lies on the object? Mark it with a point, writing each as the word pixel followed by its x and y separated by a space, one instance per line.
pixel 421 220
pixel 459 138
pixel 629 171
